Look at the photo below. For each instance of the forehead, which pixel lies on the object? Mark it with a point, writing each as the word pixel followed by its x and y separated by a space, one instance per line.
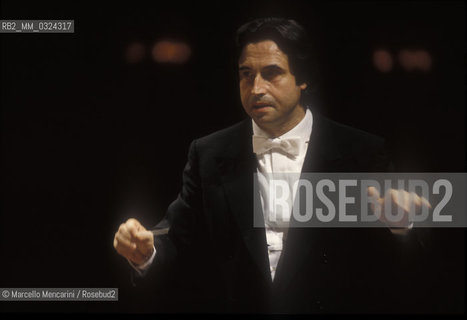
pixel 263 53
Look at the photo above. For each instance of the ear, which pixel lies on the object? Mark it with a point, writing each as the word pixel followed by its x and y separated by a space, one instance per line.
pixel 303 86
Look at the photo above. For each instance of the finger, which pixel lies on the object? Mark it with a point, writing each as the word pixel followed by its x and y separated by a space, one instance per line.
pixel 406 198
pixel 123 230
pixel 415 203
pixel 373 192
pixel 121 250
pixel 124 244
pixel 401 198
pixel 115 242
pixel 426 203
pixel 133 221
pixel 133 226
pixel 394 196
pixel 416 199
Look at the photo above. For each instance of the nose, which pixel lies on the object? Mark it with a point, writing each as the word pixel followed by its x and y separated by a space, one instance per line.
pixel 259 87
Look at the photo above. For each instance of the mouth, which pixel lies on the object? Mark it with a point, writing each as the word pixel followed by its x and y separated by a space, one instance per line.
pixel 259 106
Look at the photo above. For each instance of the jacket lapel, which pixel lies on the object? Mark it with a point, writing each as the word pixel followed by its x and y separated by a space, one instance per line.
pixel 237 175
pixel 322 156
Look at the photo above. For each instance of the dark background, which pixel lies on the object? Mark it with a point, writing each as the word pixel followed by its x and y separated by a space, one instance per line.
pixel 89 140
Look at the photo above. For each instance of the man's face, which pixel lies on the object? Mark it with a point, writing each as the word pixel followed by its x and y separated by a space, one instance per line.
pixel 268 90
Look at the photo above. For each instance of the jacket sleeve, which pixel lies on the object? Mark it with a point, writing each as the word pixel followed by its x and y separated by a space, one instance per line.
pixel 183 222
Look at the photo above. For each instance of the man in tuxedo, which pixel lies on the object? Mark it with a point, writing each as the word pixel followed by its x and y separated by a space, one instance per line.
pixel 212 247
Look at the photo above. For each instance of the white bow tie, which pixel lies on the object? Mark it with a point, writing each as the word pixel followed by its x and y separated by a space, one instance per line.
pixel 290 145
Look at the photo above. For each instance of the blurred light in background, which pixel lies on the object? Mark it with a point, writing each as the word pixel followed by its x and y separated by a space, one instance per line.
pixel 166 51
pixel 412 60
pixel 135 52
pixel 382 60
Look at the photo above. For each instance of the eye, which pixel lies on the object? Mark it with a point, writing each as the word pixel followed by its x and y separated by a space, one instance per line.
pixel 246 74
pixel 270 74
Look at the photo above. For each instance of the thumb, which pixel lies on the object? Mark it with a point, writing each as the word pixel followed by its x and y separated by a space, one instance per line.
pixel 374 193
pixel 144 236
pixel 377 201
pixel 144 241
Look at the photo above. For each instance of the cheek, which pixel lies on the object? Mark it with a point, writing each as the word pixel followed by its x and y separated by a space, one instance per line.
pixel 295 91
pixel 288 95
pixel 243 93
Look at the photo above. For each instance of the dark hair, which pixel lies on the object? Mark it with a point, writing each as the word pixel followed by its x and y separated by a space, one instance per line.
pixel 289 36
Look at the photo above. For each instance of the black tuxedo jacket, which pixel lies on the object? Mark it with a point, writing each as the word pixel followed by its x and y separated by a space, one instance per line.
pixel 214 260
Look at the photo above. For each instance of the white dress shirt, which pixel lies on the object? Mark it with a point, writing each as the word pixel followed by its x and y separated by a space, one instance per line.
pixel 279 165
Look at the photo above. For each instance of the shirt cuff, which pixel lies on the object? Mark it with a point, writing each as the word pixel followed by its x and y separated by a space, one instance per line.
pixel 401 231
pixel 143 267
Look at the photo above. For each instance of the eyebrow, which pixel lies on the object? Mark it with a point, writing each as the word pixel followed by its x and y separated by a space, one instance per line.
pixel 273 67
pixel 268 67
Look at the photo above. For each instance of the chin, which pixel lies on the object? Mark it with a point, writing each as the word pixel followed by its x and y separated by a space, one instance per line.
pixel 265 120
pixel 266 117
